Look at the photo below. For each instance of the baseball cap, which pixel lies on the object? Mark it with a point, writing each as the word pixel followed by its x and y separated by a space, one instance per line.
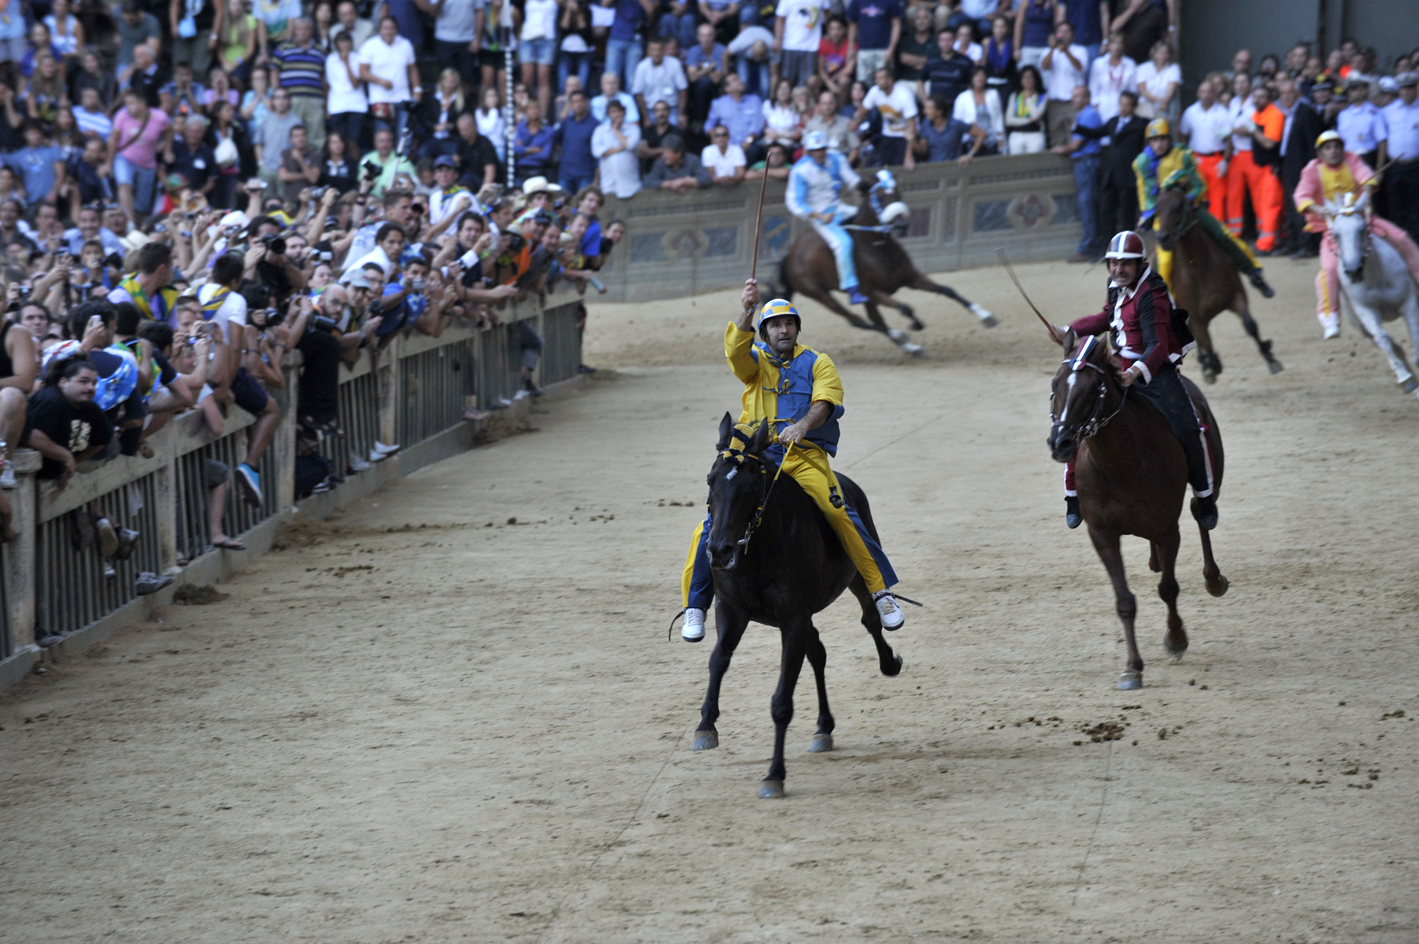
pixel 1406 79
pixel 1389 84
pixel 1358 81
pixel 356 280
pixel 814 140
pixel 446 160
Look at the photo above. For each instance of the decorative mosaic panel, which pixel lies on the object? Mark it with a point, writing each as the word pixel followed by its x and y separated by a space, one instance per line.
pixel 647 247
pixel 721 241
pixel 1066 209
pixel 992 215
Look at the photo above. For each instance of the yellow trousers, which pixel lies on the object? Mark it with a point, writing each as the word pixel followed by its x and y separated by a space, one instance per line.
pixel 809 467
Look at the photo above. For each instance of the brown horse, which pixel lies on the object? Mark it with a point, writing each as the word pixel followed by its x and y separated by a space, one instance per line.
pixel 1131 475
pixel 883 266
pixel 1204 281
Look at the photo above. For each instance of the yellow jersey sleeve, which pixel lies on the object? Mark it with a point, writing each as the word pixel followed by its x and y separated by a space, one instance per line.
pixel 739 351
pixel 827 385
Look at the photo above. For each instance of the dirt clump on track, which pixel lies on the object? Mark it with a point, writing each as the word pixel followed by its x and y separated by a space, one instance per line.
pixel 426 722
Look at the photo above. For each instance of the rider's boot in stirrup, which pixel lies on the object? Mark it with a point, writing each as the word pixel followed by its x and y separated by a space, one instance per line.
pixel 693 627
pixel 1205 511
pixel 1260 284
pixel 888 609
pixel 1072 516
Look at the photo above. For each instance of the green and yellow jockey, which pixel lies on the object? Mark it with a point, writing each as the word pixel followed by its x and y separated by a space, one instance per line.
pixel 1160 166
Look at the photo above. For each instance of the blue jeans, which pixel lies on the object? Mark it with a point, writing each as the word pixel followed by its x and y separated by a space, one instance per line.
pixel 571 183
pixel 1086 191
pixel 754 75
pixel 566 61
pixel 622 57
pixel 142 180
pixel 681 28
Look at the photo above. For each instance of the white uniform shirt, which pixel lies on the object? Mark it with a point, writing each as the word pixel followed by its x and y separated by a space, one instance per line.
pixel 1206 129
pixel 722 164
pixel 1107 80
pixel 1061 78
pixel 895 108
pixel 389 61
pixel 814 188
pixel 1402 129
pixel 1361 127
pixel 1241 113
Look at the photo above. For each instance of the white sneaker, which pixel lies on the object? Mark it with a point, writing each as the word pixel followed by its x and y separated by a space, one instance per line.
pixel 357 464
pixel 1331 323
pixel 382 450
pixel 693 628
pixel 7 477
pixel 887 608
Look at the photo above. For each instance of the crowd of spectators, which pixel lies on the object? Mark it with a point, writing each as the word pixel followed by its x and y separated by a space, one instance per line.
pixel 1252 128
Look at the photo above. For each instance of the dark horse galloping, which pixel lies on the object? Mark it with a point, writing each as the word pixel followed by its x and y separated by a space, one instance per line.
pixel 1204 281
pixel 794 567
pixel 1131 475
pixel 883 266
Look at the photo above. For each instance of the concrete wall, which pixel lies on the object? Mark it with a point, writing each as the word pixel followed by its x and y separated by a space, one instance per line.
pixel 703 241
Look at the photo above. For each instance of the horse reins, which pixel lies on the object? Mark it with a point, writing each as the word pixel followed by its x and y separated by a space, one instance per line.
pixel 758 518
pixel 1077 363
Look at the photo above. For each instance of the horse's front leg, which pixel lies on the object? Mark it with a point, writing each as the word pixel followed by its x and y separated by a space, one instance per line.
pixel 795 646
pixel 818 659
pixel 1243 310
pixel 729 626
pixel 832 304
pixel 1410 309
pixel 1106 544
pixel 1370 320
pixel 922 284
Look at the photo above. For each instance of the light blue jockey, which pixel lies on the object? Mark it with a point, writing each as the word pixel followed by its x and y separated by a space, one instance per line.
pixel 814 185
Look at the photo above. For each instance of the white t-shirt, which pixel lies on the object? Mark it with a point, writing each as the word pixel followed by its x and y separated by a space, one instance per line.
pixel 343 96
pixel 722 165
pixel 1206 130
pixel 1240 113
pixel 1107 80
pixel 802 23
pixel 659 83
pixel 377 255
pixel 539 20
pixel 390 62
pixel 1061 78
pixel 974 52
pixel 895 108
pixel 232 310
pixel 1156 83
pixel 455 23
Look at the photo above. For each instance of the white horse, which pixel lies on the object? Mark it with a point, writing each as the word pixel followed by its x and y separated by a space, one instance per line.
pixel 1375 286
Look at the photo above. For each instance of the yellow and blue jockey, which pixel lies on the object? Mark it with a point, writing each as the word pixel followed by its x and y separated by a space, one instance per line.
pixel 783 388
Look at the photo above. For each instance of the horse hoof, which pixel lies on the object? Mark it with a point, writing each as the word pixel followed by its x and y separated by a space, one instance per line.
pixel 986 318
pixel 1276 367
pixel 913 349
pixel 1129 681
pixel 705 741
pixel 1410 385
pixel 1209 377
pixel 1219 586
pixel 771 790
pixel 1173 648
pixel 897 335
pixel 894 668
pixel 822 743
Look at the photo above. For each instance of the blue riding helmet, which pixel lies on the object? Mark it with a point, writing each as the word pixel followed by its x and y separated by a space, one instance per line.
pixel 777 308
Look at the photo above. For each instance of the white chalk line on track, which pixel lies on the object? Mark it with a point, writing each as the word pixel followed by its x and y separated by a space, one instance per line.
pixel 1094 834
pixel 908 434
pixel 635 815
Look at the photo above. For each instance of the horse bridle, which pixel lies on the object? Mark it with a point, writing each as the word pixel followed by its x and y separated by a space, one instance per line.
pixel 766 486
pixel 1078 362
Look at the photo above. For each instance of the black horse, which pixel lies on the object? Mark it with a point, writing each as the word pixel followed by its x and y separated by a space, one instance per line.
pixel 793 567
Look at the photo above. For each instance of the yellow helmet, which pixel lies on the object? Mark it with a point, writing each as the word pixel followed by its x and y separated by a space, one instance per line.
pixel 1158 128
pixel 1328 136
pixel 777 308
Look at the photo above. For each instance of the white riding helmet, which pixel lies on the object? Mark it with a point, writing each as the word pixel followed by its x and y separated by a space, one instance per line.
pixel 1126 245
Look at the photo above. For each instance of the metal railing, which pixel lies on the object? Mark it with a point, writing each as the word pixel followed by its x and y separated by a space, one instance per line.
pixel 54 580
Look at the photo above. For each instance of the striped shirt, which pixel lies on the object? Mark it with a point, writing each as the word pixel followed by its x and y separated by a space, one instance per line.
pixel 302 70
pixel 93 122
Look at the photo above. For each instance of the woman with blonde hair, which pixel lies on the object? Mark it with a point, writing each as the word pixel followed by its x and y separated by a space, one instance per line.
pixel 491 123
pixel 46 92
pixel 439 114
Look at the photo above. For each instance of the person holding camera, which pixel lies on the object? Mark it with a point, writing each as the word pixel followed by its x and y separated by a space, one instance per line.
pixel 382 165
pixel 224 306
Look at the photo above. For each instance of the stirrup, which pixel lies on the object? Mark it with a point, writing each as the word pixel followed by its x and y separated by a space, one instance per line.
pixel 1205 511
pixel 855 297
pixel 1073 518
pixel 1259 282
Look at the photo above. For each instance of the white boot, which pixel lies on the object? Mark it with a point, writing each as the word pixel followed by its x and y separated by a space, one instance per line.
pixel 1331 324
pixel 693 627
pixel 887 608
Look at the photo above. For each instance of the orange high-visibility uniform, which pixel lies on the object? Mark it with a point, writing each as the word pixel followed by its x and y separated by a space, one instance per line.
pixel 1216 183
pixel 1245 175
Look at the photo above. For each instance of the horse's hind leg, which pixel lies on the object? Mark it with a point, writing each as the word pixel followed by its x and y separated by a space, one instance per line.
pixel 888 661
pixel 1410 309
pixel 729 625
pixel 1175 639
pixel 1243 310
pixel 1370 320
pixel 818 659
pixel 826 299
pixel 1106 544
pixel 922 284
pixel 1216 583
pixel 795 635
pixel 1207 357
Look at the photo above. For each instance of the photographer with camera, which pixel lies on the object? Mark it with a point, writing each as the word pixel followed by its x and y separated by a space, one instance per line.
pixel 266 260
pixel 327 320
pixel 398 207
pixel 224 306
pixel 383 164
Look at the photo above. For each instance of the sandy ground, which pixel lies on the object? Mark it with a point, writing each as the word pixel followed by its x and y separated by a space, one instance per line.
pixel 425 722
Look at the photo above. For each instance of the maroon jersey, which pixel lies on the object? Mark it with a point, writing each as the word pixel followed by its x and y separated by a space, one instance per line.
pixel 1143 325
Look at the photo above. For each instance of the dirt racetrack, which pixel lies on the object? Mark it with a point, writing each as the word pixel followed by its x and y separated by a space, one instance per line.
pixel 452 714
